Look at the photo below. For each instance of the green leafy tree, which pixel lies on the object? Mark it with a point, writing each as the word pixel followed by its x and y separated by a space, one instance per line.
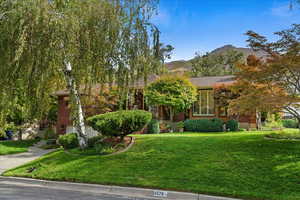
pixel 72 43
pixel 175 92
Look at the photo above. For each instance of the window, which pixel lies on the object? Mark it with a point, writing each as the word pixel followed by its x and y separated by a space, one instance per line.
pixel 205 105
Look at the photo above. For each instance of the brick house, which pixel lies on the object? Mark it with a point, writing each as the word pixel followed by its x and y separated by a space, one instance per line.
pixel 204 107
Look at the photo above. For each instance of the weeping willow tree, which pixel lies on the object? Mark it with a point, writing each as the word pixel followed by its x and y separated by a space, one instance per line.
pixel 52 44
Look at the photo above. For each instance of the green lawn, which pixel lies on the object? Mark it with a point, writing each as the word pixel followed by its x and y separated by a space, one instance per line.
pixel 12 147
pixel 243 164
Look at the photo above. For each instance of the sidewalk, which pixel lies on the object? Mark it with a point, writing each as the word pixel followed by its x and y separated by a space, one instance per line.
pixel 15 160
pixel 93 189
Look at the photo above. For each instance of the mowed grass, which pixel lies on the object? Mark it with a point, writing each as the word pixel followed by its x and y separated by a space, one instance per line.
pixel 12 147
pixel 242 164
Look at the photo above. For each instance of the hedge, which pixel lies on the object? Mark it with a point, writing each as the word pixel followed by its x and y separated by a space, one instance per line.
pixel 232 125
pixel 204 125
pixel 290 123
pixel 68 141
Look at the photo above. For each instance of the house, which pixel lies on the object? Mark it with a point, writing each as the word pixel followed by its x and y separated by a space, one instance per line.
pixel 204 107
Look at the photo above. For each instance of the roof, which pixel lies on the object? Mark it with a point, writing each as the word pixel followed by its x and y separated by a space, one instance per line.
pixel 201 82
pixel 211 81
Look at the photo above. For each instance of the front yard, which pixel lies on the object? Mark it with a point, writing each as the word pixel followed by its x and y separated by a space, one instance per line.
pixel 12 147
pixel 241 164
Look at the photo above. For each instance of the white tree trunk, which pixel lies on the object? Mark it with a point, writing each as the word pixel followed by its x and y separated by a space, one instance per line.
pixel 79 119
pixel 258 120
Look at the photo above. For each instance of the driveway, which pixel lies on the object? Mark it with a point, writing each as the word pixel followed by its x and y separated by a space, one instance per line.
pixel 15 160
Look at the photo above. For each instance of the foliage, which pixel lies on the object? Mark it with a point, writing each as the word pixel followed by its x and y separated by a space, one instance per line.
pixel 48 45
pixel 236 162
pixel 216 64
pixel 120 123
pixel 176 92
pixel 103 101
pixel 2 134
pixel 223 95
pixel 94 140
pixel 290 123
pixel 153 127
pixel 272 121
pixel 180 125
pixel 232 125
pixel 50 134
pixel 68 141
pixel 272 84
pixel 204 125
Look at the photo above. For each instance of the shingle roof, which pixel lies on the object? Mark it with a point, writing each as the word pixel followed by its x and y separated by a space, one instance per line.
pixel 211 81
pixel 201 82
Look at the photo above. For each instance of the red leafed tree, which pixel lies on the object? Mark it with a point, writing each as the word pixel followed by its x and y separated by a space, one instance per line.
pixel 271 83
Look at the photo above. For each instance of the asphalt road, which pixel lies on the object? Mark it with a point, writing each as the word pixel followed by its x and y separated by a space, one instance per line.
pixel 19 192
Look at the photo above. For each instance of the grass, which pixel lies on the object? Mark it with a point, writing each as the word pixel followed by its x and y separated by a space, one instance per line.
pixel 13 147
pixel 288 134
pixel 241 164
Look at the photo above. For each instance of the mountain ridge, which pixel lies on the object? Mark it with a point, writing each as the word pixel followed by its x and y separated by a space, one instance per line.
pixel 186 65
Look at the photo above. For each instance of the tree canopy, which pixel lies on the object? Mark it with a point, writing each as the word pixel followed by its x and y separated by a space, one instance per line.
pixel 175 92
pixel 273 83
pixel 43 43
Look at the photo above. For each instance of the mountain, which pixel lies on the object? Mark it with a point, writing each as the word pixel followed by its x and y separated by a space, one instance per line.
pixel 182 66
pixel 245 51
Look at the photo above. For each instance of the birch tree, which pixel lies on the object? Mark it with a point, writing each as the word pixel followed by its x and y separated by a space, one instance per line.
pixel 51 44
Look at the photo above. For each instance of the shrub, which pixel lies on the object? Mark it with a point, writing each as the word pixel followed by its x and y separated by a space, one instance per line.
pixel 273 121
pixel 94 140
pixel 232 125
pixel 49 134
pixel 68 141
pixel 180 125
pixel 290 123
pixel 204 125
pixel 153 127
pixel 120 123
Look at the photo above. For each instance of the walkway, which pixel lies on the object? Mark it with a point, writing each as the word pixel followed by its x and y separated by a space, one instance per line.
pixel 15 160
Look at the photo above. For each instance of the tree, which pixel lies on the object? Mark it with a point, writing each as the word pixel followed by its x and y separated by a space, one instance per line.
pixel 216 64
pixel 273 83
pixel 175 92
pixel 74 43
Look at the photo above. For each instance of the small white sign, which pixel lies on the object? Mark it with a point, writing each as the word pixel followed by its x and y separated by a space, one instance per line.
pixel 160 193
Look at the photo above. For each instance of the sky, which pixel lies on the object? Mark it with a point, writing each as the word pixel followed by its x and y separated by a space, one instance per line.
pixel 192 26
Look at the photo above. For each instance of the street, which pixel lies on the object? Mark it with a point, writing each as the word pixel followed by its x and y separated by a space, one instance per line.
pixel 20 192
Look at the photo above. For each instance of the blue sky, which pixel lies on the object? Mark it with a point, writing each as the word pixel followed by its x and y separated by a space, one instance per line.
pixel 203 25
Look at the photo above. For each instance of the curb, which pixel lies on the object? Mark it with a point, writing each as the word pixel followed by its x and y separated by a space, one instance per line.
pixel 105 189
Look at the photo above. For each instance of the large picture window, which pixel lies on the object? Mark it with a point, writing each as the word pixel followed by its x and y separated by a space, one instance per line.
pixel 205 105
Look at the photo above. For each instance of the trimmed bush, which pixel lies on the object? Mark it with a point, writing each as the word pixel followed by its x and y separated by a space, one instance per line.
pixel 68 141
pixel 120 123
pixel 290 123
pixel 153 127
pixel 232 125
pixel 204 125
pixel 94 140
